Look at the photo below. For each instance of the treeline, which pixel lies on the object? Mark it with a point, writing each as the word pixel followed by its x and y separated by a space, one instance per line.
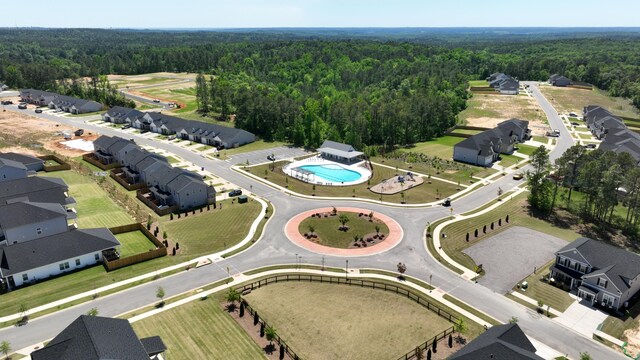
pixel 96 88
pixel 617 181
pixel 398 88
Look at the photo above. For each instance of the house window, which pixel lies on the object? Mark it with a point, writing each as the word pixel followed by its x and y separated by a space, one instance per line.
pixel 64 265
pixel 602 282
pixel 77 262
pixel 608 299
pixel 39 231
pixel 97 256
pixel 25 277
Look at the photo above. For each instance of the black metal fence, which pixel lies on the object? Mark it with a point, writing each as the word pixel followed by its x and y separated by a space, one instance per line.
pixel 362 283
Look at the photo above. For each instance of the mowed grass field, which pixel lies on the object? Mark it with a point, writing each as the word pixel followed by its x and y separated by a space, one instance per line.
pixel 200 330
pixel 550 295
pixel 94 207
pixel 133 242
pixel 329 235
pixel 208 232
pixel 419 194
pixel 517 209
pixel 567 100
pixel 329 321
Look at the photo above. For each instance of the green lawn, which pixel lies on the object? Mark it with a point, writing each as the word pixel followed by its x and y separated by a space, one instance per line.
pixel 329 321
pixel 456 242
pixel 254 146
pixel 478 83
pixel 172 160
pixel 541 290
pixel 526 149
pixel 94 207
pixel 329 235
pixel 194 234
pixel 134 242
pixel 441 147
pixel 541 139
pixel 467 131
pixel 204 148
pixel 616 326
pixel 585 136
pixel 508 160
pixel 419 194
pixel 215 230
pixel 200 330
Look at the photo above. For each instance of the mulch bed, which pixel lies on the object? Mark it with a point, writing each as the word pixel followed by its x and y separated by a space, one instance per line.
pixel 246 322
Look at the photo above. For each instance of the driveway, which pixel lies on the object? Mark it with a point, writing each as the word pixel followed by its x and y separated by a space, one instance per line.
pixel 582 318
pixel 260 156
pixel 512 255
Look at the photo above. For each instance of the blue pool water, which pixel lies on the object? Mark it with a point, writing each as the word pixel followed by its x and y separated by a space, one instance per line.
pixel 334 173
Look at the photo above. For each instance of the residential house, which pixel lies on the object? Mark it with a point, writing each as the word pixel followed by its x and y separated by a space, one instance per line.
pixel 559 80
pixel 60 102
pixel 336 151
pixel 121 115
pixel 504 83
pixel 11 170
pixel 35 189
pixel 38 259
pixel 98 338
pixel 25 221
pixel 500 342
pixel 601 274
pixel 612 130
pixel 32 163
pixel 196 131
pixel 169 185
pixel 484 148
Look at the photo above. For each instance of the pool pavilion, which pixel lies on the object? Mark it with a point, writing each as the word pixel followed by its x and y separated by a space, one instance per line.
pixel 339 152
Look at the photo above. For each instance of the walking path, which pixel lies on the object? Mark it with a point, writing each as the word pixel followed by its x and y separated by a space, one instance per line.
pixel 466 273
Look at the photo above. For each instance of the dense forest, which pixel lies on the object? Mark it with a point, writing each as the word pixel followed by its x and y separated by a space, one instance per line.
pixel 363 88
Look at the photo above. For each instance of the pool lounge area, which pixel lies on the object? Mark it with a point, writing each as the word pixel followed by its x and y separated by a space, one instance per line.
pixel 320 171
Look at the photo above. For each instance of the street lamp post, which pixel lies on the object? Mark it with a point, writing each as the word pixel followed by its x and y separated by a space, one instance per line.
pixel 346 273
pixel 296 260
pixel 322 262
pixel 430 282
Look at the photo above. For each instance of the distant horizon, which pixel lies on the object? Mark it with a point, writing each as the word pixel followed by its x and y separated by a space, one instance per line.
pixel 279 14
pixel 635 27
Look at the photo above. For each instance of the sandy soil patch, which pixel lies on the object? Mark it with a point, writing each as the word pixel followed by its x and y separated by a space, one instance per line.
pixel 488 110
pixel 24 133
pixel 394 185
pixel 633 341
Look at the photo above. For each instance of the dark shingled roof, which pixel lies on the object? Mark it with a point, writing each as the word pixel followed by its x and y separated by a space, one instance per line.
pixel 24 256
pixel 500 342
pixel 34 188
pixel 96 338
pixel 153 345
pixel 21 158
pixel 24 213
pixel 618 264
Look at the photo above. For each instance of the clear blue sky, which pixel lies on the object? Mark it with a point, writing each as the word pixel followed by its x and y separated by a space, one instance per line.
pixel 324 13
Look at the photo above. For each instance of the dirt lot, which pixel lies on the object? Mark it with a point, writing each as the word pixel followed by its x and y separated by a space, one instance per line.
pixel 20 132
pixel 633 341
pixel 489 110
pixel 566 100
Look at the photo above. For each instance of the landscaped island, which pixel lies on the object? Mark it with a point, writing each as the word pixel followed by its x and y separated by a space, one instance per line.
pixel 344 229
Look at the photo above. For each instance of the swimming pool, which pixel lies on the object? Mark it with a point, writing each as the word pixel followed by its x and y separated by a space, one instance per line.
pixel 333 173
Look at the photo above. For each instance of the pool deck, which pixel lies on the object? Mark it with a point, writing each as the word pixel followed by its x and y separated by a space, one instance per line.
pixel 395 234
pixel 365 173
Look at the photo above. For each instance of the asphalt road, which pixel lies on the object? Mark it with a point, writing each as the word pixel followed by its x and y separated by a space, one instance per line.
pixel 275 248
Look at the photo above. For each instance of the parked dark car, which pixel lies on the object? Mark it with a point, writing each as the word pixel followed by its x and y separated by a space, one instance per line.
pixel 235 192
pixel 271 157
pixel 590 146
pixel 126 126
pixel 22 106
pixel 7 102
pixel 446 202
pixel 38 111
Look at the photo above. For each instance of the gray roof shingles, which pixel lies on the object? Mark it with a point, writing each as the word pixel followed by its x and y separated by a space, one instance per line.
pixel 500 342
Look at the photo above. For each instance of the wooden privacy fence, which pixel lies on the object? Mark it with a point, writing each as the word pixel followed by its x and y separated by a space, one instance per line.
pixel 362 283
pixel 91 159
pixel 115 175
pixel 140 194
pixel 62 165
pixel 160 250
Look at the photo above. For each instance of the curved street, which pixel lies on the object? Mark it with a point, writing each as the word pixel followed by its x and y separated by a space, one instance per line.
pixel 274 248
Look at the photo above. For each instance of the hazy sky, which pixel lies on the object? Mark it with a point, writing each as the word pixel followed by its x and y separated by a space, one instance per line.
pixel 325 13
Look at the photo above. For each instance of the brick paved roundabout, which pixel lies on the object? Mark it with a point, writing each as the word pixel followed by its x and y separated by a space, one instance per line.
pixel 393 239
